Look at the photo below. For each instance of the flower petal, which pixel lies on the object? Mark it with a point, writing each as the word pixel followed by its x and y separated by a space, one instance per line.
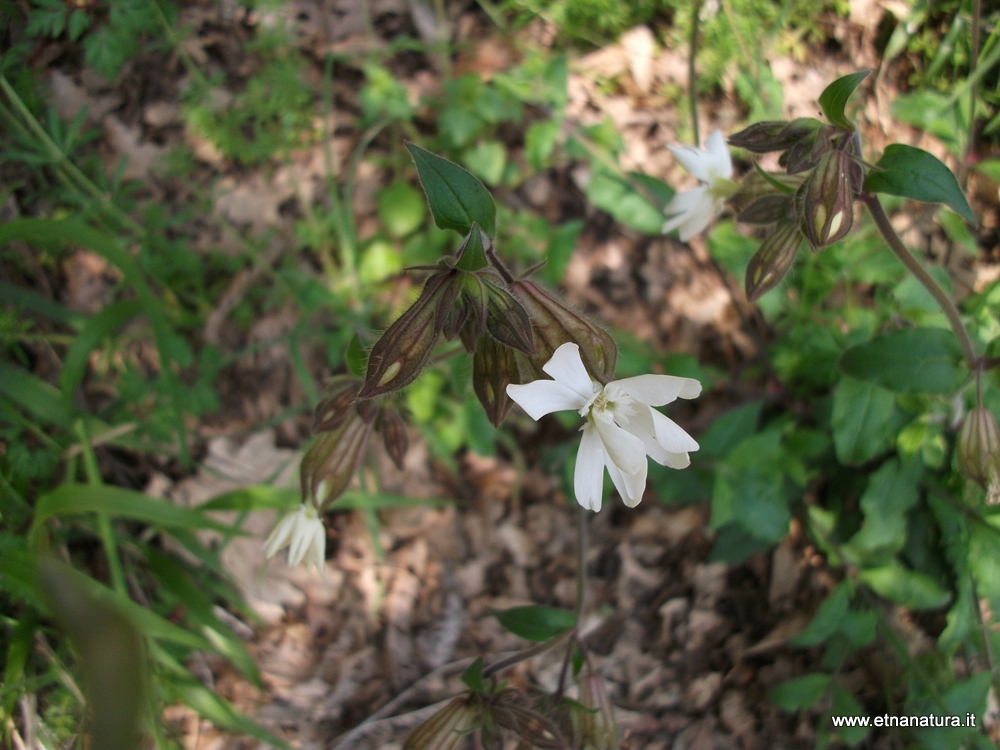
pixel 588 477
pixel 670 435
pixel 281 536
pixel 566 367
pixel 625 450
pixel 690 212
pixel 542 397
pixel 657 390
pixel 629 486
pixel 676 460
pixel 717 158
pixel 695 160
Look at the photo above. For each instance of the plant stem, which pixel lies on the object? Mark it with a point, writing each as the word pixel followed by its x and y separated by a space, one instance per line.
pixel 692 73
pixel 581 562
pixel 970 146
pixel 987 643
pixel 528 653
pixel 913 266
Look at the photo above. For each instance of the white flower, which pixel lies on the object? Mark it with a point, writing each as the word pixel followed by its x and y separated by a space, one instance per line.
pixel 621 428
pixel 693 210
pixel 303 533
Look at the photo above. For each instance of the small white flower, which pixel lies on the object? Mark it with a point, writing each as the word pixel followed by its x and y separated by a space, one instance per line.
pixel 693 210
pixel 621 428
pixel 303 533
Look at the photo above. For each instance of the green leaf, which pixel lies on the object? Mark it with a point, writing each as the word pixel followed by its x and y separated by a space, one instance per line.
pixel 891 492
pixel 906 587
pixel 539 141
pixel 845 704
pixel 834 98
pixel 457 199
pixel 357 500
pixel 615 196
pixel 118 502
pixel 36 303
pixel 562 245
pixel 34 395
pixel 729 430
pixel 801 692
pixel 537 624
pixel 401 209
pixel 261 497
pixel 473 676
pixel 860 420
pixel 827 619
pixel 472 255
pixel 911 360
pixel 913 173
pixel 487 160
pixel 355 357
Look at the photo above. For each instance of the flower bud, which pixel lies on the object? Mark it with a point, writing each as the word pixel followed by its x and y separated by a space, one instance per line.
pixel 506 319
pixel 759 199
pixel 772 260
pixel 394 435
pixel 827 201
pixel 554 324
pixel 807 152
pixel 598 728
pixel 979 448
pixel 445 729
pixel 765 137
pixel 337 404
pixel 402 351
pixel 494 367
pixel 330 463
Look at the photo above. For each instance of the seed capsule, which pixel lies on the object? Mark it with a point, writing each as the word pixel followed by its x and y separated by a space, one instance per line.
pixel 772 260
pixel 827 201
pixel 979 448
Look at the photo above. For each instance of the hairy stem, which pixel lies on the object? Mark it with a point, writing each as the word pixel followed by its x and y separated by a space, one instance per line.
pixel 913 266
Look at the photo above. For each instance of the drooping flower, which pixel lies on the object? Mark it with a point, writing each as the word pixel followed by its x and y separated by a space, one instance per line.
pixel 621 428
pixel 693 210
pixel 303 533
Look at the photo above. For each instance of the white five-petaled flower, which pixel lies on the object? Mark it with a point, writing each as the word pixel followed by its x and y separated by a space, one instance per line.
pixel 693 210
pixel 622 428
pixel 303 533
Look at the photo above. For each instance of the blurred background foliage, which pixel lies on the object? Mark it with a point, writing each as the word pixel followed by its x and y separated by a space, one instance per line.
pixel 92 401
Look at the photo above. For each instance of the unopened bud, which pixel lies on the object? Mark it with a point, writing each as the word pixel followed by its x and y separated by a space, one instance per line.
pixel 394 435
pixel 765 137
pixel 807 152
pixel 598 728
pixel 827 201
pixel 337 403
pixel 445 729
pixel 764 199
pixel 494 367
pixel 330 463
pixel 772 260
pixel 979 448
pixel 510 712
pixel 402 351
pixel 507 321
pixel 555 324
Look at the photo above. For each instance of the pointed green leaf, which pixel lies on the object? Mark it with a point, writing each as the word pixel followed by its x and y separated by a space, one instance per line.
pixel 911 360
pixel 456 197
pixel 907 587
pixel 834 98
pixel 860 420
pixel 473 676
pixel 913 173
pixel 537 624
pixel 472 255
pixel 801 692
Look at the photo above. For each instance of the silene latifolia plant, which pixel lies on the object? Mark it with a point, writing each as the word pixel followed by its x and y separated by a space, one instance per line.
pixel 527 347
pixel 530 348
